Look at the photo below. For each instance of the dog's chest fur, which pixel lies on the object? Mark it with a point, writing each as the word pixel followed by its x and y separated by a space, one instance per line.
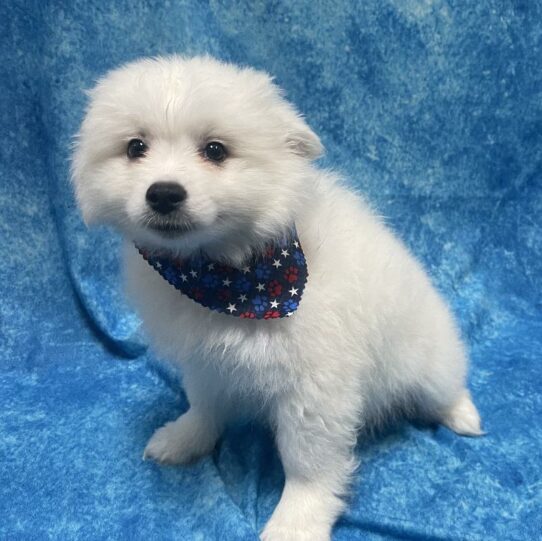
pixel 251 358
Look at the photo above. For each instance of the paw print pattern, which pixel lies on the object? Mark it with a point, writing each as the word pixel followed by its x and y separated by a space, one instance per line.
pixel 291 274
pixel 260 303
pixel 224 295
pixel 170 274
pixel 299 258
pixel 196 293
pixel 289 305
pixel 263 271
pixel 223 269
pixel 210 281
pixel 242 284
pixel 274 288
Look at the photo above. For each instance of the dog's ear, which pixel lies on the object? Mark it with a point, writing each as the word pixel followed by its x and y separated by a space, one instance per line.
pixel 303 141
pixel 299 138
pixel 82 190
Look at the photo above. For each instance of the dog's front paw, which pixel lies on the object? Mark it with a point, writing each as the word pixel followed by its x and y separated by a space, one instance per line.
pixel 277 532
pixel 180 442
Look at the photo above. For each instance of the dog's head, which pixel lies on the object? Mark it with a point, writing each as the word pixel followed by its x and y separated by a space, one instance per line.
pixel 192 153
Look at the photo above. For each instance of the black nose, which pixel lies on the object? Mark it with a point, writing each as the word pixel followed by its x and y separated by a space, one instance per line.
pixel 165 197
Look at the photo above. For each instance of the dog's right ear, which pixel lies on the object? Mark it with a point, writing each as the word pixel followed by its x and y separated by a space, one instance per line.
pixel 301 140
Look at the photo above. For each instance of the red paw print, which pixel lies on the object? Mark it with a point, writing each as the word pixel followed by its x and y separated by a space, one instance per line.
pixel 224 294
pixel 222 268
pixel 274 288
pixel 271 314
pixel 291 274
pixel 247 315
pixel 196 293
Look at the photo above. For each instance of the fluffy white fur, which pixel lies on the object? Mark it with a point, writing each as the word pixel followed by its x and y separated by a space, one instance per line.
pixel 371 338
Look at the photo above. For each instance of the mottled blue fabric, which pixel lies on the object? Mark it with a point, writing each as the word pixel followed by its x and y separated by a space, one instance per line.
pixel 432 108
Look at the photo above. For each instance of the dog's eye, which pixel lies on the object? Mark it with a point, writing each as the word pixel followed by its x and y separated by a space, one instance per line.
pixel 215 151
pixel 136 149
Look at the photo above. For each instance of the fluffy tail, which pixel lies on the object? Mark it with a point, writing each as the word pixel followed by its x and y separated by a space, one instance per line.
pixel 463 418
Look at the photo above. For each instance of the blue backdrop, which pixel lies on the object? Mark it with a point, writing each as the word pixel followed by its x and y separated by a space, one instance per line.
pixel 433 108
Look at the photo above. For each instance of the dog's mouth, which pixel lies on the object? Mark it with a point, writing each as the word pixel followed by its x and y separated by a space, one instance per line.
pixel 169 229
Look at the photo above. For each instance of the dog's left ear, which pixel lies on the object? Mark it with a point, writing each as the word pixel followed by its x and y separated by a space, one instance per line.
pixel 303 141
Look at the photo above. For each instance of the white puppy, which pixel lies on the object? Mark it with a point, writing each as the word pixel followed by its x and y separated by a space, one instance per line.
pixel 206 168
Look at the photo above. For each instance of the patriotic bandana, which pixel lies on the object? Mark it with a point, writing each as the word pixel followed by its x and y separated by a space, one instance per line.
pixel 269 286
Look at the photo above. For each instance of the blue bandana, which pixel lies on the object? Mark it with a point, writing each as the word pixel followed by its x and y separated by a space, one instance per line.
pixel 269 286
